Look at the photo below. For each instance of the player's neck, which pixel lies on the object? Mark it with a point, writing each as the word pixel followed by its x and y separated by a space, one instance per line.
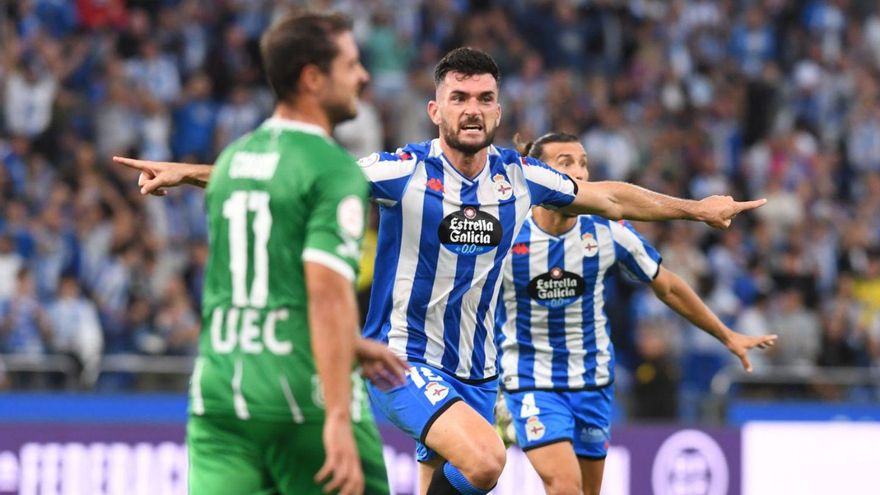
pixel 553 222
pixel 470 165
pixel 304 112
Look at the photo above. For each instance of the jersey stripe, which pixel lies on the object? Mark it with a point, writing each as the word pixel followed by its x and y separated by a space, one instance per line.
pixel 443 285
pixel 426 259
pixel 238 400
pixel 538 256
pixel 328 260
pixel 523 314
pixel 459 314
pixel 590 267
pixel 634 253
pixel 574 318
pixel 556 319
pixel 485 351
pixel 385 276
pixel 600 321
pixel 198 402
pixel 295 411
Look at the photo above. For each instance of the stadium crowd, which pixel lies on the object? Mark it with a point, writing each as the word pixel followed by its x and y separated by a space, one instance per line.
pixel 759 98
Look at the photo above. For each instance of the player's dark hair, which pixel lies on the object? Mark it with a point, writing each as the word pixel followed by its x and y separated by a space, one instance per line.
pixel 297 40
pixel 535 149
pixel 466 61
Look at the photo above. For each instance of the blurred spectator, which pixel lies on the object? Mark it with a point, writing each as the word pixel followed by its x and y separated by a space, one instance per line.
pixel 76 330
pixel 387 56
pixel 176 321
pixel 656 383
pixel 752 42
pixel 241 114
pixel 155 71
pixel 30 92
pixel 799 331
pixel 611 149
pixel 10 264
pixel 24 328
pixel 194 122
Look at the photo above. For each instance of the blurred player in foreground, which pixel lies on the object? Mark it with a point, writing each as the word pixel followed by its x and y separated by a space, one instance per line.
pixel 274 406
pixel 450 209
pixel 557 360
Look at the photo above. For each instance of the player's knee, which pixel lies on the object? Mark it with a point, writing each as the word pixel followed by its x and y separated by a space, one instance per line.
pixel 488 465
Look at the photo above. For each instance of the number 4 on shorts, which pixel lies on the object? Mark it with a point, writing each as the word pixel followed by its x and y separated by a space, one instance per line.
pixel 529 408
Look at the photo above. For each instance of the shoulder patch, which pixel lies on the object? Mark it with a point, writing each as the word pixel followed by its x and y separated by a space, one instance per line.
pixel 350 216
pixel 369 160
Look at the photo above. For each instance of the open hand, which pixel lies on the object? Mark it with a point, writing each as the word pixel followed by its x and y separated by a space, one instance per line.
pixel 342 464
pixel 740 344
pixel 380 365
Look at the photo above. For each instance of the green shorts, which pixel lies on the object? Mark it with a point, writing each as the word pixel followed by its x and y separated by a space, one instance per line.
pixel 235 457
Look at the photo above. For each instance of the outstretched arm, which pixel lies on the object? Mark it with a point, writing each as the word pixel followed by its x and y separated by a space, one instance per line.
pixel 678 295
pixel 618 200
pixel 156 176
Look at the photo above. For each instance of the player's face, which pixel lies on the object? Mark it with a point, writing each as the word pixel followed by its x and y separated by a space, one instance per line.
pixel 346 79
pixel 568 158
pixel 467 111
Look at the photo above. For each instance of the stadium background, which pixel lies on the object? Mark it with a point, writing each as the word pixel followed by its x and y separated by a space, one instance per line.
pixel 99 287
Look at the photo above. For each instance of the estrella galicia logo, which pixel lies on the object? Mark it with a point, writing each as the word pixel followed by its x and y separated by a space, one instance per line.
pixel 556 288
pixel 470 231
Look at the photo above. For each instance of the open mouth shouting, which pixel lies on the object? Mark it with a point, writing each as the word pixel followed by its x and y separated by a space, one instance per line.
pixel 471 128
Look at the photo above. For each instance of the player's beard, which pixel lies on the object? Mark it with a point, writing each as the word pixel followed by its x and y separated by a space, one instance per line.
pixel 340 111
pixel 340 105
pixel 450 135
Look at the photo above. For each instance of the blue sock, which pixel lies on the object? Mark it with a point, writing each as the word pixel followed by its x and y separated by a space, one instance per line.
pixel 461 483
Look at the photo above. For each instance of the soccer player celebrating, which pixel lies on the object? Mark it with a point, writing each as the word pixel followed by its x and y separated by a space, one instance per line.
pixel 272 406
pixel 557 360
pixel 450 209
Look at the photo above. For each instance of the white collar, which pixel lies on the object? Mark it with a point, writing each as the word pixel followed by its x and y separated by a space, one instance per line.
pixel 295 125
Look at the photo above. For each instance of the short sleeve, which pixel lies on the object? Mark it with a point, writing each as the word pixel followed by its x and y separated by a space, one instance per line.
pixel 548 187
pixel 636 255
pixel 336 219
pixel 388 174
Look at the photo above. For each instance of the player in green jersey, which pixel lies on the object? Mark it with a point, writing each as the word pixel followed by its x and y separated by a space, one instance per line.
pixel 274 405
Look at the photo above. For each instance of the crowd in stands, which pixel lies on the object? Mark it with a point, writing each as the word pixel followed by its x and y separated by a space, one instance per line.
pixel 752 98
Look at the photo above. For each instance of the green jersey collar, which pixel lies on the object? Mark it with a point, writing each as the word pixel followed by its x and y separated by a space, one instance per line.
pixel 295 125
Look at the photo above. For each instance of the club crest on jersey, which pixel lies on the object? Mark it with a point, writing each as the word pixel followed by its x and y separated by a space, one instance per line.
pixel 436 392
pixel 469 231
pixel 535 429
pixel 556 288
pixel 591 247
pixel 503 189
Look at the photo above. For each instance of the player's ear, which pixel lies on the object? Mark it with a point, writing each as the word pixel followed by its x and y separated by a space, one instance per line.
pixel 434 112
pixel 312 78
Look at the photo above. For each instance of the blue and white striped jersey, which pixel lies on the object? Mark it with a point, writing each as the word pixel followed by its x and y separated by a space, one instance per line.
pixel 554 331
pixel 442 242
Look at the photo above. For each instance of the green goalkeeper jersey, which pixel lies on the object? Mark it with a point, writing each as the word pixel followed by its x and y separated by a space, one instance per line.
pixel 279 196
